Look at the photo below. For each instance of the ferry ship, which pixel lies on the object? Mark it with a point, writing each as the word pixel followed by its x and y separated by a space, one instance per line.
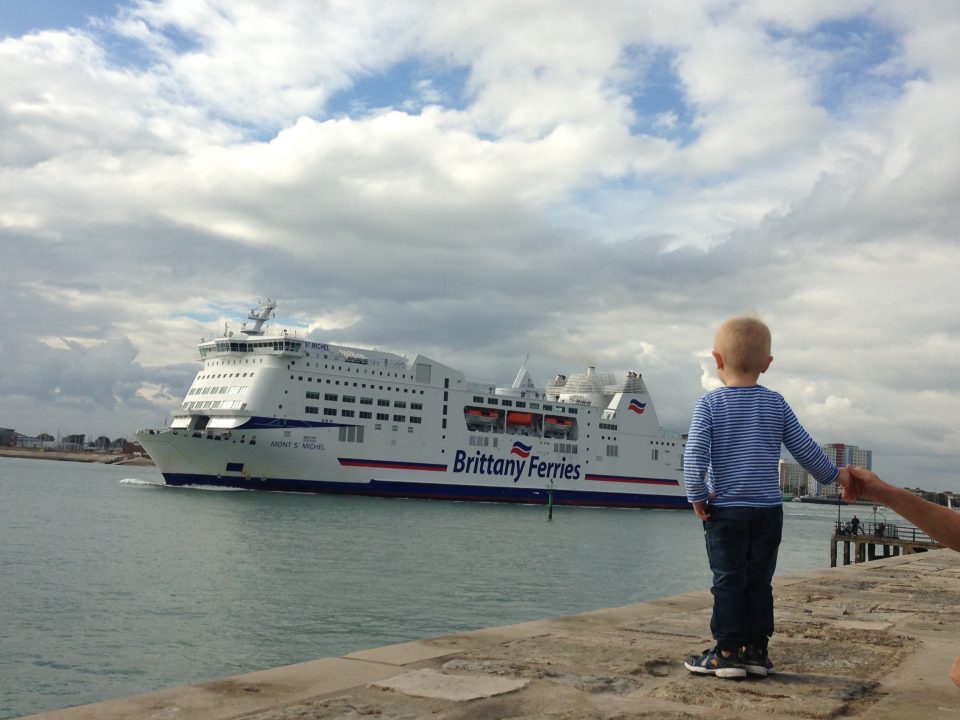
pixel 272 411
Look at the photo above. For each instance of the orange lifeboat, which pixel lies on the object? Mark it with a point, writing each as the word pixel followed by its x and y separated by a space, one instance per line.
pixel 478 417
pixel 557 425
pixel 519 418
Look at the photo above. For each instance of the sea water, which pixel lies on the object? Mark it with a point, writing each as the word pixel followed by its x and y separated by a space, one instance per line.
pixel 113 584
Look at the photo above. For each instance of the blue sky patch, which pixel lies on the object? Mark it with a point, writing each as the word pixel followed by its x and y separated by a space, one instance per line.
pixel 657 97
pixel 409 85
pixel 20 17
pixel 863 63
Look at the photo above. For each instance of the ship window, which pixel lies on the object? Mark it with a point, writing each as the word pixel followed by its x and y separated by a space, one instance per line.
pixel 521 404
pixel 365 414
pixel 329 411
pixel 655 454
pixel 399 418
pixel 383 416
pixel 612 451
pixel 313 396
pixel 312 410
pixel 366 401
pixel 477 399
pixel 330 397
pixel 507 403
pixel 349 399
pixel 572 411
pixel 400 403
pixel 547 407
pixel 490 401
pixel 346 413
pixel 416 406
pixel 378 426
pixel 415 419
pixel 383 403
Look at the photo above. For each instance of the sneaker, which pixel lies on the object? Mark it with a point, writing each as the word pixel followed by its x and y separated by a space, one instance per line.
pixel 713 663
pixel 756 661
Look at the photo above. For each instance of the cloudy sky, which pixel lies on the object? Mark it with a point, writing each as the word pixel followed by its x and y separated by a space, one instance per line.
pixel 590 183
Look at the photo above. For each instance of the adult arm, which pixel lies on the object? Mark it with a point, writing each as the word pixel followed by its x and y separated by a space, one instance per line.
pixel 940 523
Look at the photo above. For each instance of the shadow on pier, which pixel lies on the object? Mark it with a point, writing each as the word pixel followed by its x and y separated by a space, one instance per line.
pixel 875 540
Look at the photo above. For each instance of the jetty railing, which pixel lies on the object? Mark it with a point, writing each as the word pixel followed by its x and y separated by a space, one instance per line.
pixel 873 540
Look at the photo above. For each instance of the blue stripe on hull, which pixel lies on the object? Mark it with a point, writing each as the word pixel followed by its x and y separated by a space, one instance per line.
pixel 430 491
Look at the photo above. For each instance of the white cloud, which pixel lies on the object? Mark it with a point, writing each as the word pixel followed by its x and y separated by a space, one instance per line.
pixel 149 197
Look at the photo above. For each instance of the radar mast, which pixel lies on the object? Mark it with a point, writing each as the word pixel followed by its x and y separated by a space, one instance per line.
pixel 259 317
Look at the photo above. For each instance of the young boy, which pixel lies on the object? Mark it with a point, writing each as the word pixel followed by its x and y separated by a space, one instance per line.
pixel 731 474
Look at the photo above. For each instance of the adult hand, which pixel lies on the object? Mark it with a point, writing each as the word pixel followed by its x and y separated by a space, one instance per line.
pixel 955 672
pixel 862 483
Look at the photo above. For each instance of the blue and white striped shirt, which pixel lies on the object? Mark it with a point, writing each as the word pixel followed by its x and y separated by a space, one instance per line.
pixel 733 448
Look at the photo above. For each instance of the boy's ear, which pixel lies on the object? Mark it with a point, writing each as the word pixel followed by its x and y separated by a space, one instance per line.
pixel 718 359
pixel 766 365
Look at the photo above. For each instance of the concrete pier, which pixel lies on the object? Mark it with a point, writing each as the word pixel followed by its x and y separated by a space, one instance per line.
pixel 873 640
pixel 879 541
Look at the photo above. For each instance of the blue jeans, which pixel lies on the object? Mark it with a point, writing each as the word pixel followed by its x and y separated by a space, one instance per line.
pixel 742 544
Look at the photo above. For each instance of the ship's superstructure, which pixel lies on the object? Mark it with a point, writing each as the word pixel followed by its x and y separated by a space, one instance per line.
pixel 273 411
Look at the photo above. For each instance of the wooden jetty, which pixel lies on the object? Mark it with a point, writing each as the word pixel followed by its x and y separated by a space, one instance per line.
pixel 875 540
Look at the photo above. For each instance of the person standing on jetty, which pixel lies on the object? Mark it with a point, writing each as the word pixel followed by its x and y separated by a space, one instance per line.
pixel 940 523
pixel 731 474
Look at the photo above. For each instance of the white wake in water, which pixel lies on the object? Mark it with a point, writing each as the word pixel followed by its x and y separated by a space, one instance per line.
pixel 138 481
pixel 155 483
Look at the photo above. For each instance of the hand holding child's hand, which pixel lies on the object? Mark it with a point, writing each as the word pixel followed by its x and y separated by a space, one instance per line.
pixel 849 484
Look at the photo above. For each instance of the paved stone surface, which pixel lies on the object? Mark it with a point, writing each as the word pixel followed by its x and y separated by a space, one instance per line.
pixel 430 683
pixel 870 641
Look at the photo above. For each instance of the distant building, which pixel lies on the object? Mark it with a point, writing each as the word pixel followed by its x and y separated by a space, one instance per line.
pixel 840 455
pixel 793 478
pixel 73 443
pixel 8 437
pixel 43 441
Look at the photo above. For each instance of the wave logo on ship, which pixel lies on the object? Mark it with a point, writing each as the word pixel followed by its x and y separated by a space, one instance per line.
pixel 521 450
pixel 637 407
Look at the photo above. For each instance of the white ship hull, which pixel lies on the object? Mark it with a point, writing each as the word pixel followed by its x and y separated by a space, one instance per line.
pixel 299 416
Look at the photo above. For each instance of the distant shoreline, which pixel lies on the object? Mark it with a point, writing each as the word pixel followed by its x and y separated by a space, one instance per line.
pixel 86 457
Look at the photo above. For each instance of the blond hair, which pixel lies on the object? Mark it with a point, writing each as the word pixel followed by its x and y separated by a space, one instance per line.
pixel 744 343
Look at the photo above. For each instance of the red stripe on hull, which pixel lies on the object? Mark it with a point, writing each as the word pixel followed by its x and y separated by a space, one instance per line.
pixel 625 479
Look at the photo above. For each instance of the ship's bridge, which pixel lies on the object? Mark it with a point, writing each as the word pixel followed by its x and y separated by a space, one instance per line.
pixel 260 346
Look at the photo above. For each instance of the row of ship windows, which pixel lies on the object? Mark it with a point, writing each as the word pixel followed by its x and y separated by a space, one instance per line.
pixel 523 404
pixel 381 402
pixel 213 376
pixel 488 441
pixel 363 414
pixel 354 433
pixel 223 389
pixel 362 385
pixel 357 370
pixel 211 363
pixel 214 405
